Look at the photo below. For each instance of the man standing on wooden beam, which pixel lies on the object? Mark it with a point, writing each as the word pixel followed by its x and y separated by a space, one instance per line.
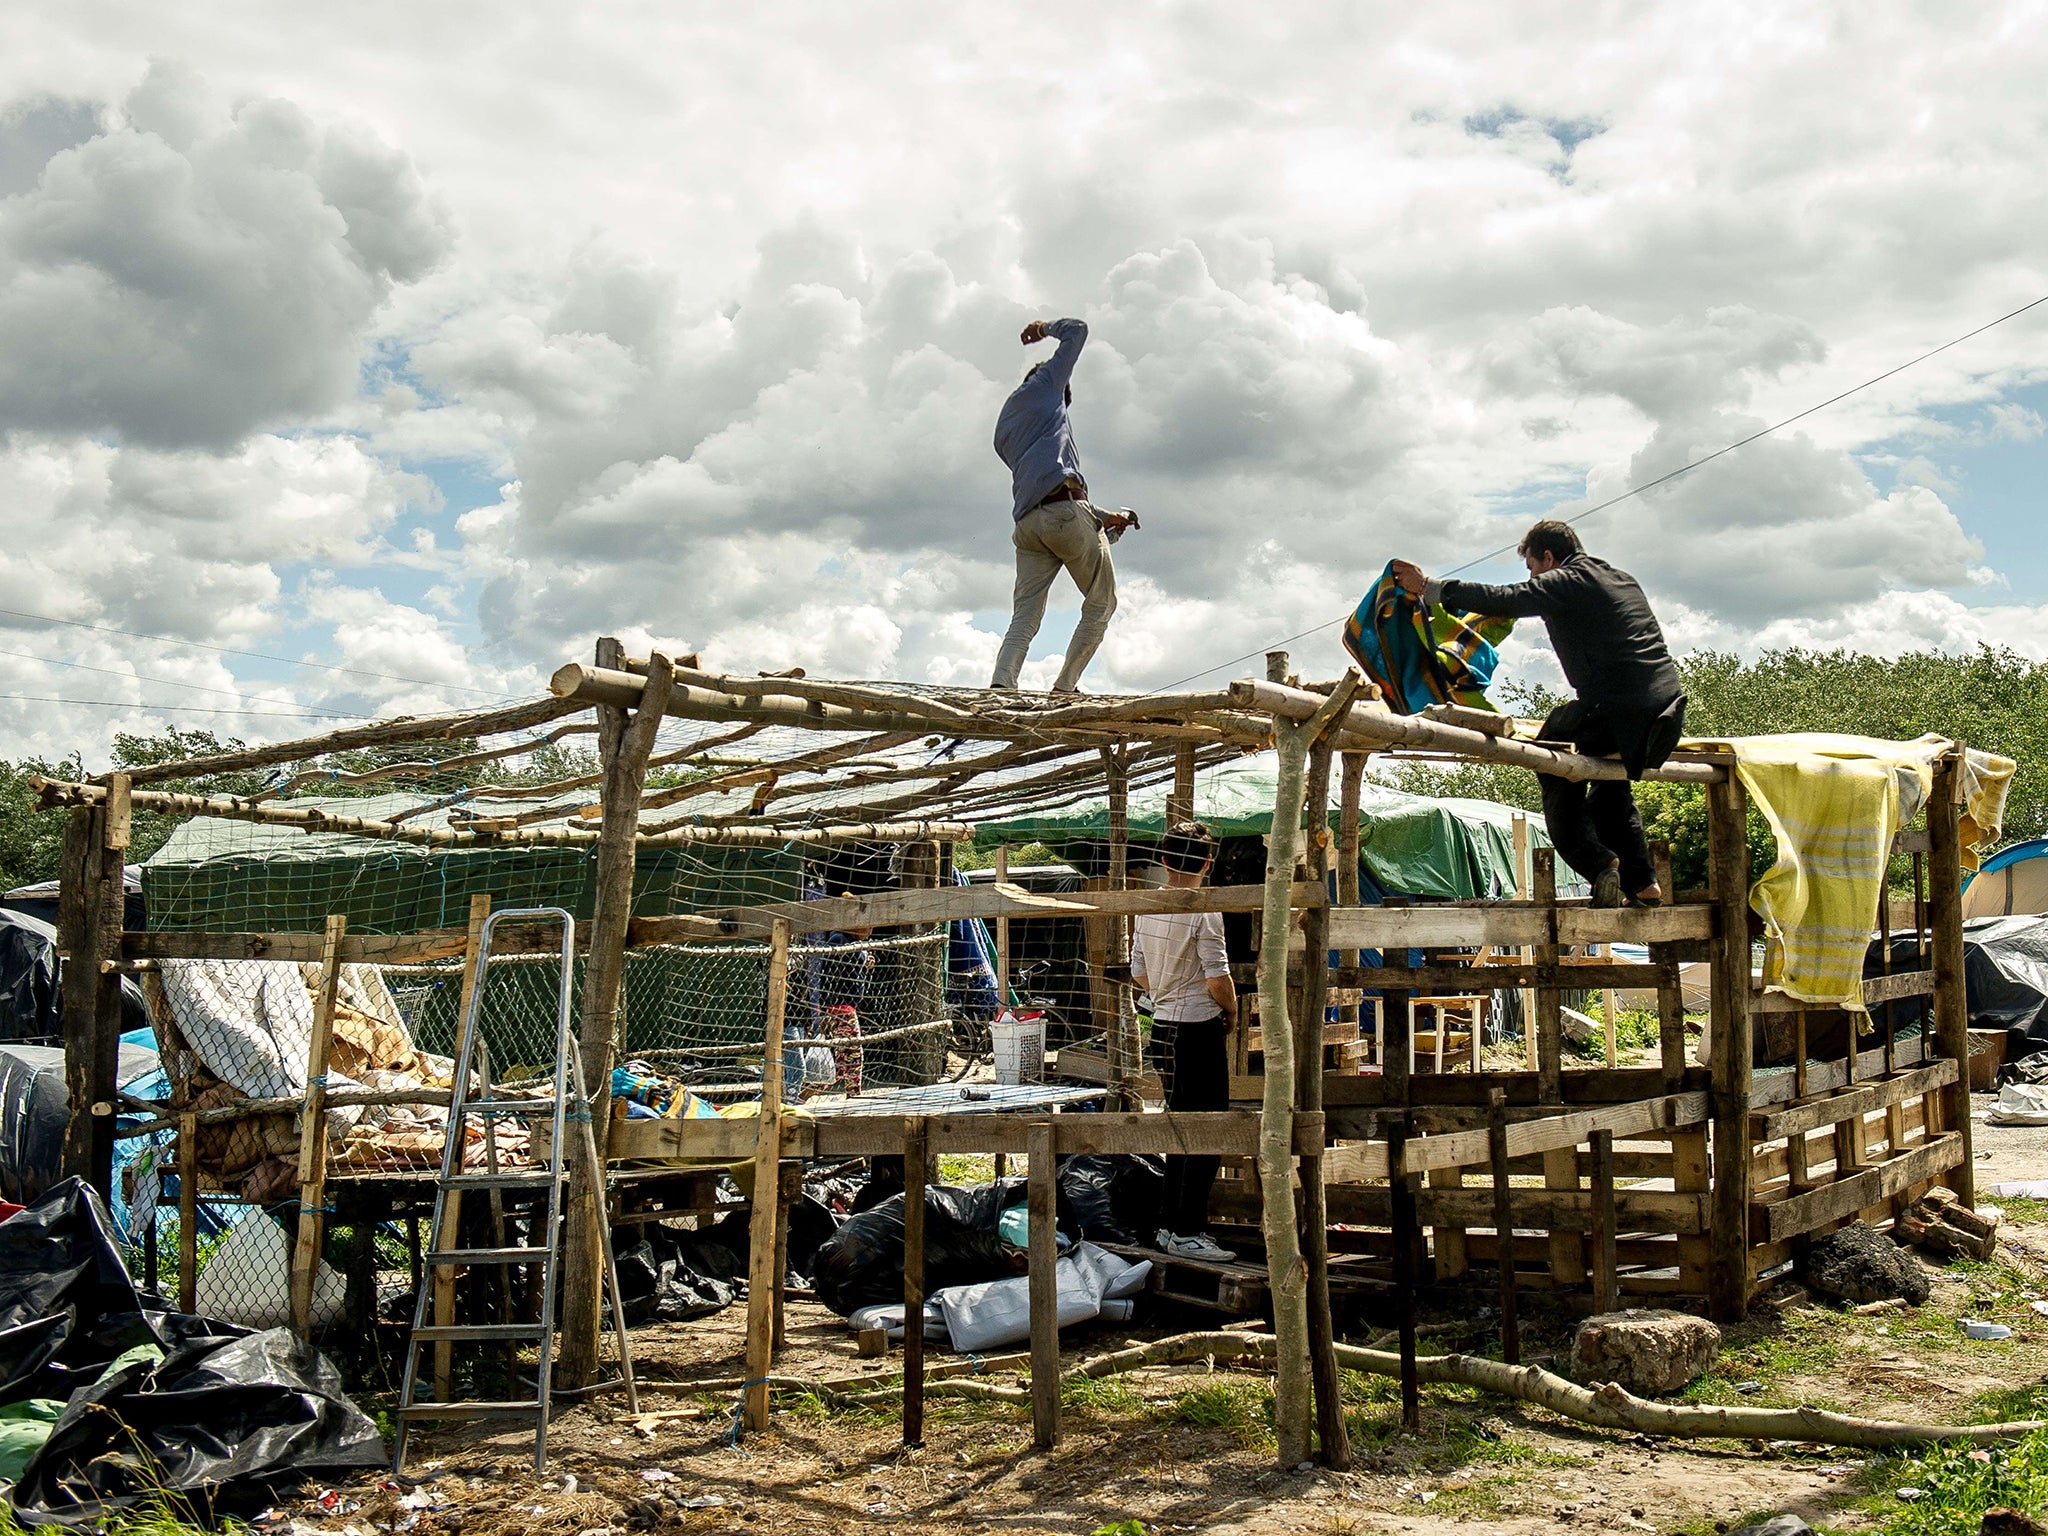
pixel 1179 958
pixel 1055 527
pixel 1629 705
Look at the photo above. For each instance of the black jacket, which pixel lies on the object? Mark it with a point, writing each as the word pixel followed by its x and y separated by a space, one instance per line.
pixel 1606 639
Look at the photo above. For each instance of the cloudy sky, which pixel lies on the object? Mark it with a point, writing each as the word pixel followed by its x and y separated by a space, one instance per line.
pixel 375 358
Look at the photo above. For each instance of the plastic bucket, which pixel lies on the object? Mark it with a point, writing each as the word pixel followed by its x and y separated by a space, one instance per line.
pixel 1019 1050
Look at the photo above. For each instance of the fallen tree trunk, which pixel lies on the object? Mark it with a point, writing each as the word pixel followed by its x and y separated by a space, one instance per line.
pixel 1605 1407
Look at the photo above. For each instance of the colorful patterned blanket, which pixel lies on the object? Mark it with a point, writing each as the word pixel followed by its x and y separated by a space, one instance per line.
pixel 1422 657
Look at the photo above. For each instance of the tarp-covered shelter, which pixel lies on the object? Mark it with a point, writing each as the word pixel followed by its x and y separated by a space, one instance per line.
pixel 1414 845
pixel 2014 879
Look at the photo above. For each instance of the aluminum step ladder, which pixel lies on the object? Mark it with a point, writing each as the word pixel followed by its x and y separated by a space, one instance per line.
pixel 474 1097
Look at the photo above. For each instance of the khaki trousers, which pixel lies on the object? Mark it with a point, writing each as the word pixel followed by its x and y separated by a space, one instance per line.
pixel 1061 535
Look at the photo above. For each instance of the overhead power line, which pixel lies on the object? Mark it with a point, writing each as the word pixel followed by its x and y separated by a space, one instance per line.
pixel 169 682
pixel 228 650
pixel 1651 485
pixel 182 709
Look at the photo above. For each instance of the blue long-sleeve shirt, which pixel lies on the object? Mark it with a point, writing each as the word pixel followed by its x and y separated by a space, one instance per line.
pixel 1032 433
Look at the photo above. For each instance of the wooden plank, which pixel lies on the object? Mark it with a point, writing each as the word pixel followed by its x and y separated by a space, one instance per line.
pixel 313 1138
pixel 1690 1176
pixel 1483 976
pixel 1776 1086
pixel 1044 1289
pixel 1547 1210
pixel 1945 914
pixel 1844 1197
pixel 411 948
pixel 1592 1085
pixel 1605 1293
pixel 1841 1106
pixel 1503 1226
pixel 761 1224
pixel 953 903
pixel 916 1158
pixel 1876 990
pixel 1729 1048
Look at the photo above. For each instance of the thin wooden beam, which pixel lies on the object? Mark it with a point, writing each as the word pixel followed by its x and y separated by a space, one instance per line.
pixel 313 1137
pixel 1044 1291
pixel 1503 1224
pixel 767 1159
pixel 1951 1001
pixel 916 1156
pixel 1729 1049
pixel 443 1275
pixel 1606 1292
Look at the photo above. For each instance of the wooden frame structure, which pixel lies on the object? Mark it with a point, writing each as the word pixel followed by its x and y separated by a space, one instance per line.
pixel 1672 1179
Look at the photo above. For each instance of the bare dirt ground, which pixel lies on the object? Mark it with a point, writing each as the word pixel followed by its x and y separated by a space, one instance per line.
pixel 1191 1450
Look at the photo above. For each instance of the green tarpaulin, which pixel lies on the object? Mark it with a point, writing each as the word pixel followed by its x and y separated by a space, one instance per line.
pixel 1410 844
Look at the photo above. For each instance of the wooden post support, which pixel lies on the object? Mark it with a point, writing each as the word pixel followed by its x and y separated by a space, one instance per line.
pixel 1525 886
pixel 442 1277
pixel 1126 1060
pixel 767 1163
pixel 623 748
pixel 1331 1435
pixel 1670 1025
pixel 1287 1275
pixel 1002 932
pixel 1606 1286
pixel 789 1189
pixel 1045 1311
pixel 1503 1223
pixel 313 1134
pixel 916 1155
pixel 188 1213
pixel 1945 915
pixel 1350 780
pixel 1560 1167
pixel 1180 805
pixel 91 903
pixel 1405 1277
pixel 1729 1048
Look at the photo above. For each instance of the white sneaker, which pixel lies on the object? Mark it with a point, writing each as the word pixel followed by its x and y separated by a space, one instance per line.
pixel 1196 1247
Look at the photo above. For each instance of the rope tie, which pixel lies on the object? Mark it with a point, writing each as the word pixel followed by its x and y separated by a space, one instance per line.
pixel 731 1437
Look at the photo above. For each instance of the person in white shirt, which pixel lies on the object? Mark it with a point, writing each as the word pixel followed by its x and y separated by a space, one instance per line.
pixel 1179 958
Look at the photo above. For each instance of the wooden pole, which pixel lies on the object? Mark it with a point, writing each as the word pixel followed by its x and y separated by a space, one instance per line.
pixel 1180 805
pixel 313 1135
pixel 1332 1437
pixel 623 748
pixel 1405 1277
pixel 1503 1223
pixel 91 902
pixel 1561 1167
pixel 1351 778
pixel 1286 1272
pixel 1951 1000
pixel 443 1275
pixel 188 1213
pixel 1125 1060
pixel 1525 885
pixel 1044 1288
pixel 1002 932
pixel 1729 1049
pixel 767 1164
pixel 916 1154
pixel 1606 1287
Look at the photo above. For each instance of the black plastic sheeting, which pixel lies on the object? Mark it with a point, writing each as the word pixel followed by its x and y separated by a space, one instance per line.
pixel 861 1265
pixel 2005 973
pixel 31 1006
pixel 33 1112
pixel 671 1276
pixel 1102 1199
pixel 227 1415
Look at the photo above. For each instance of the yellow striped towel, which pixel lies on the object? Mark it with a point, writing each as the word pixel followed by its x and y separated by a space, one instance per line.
pixel 1834 803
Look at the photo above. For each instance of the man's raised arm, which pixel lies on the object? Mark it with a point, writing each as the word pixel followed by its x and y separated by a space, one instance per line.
pixel 1521 600
pixel 1072 335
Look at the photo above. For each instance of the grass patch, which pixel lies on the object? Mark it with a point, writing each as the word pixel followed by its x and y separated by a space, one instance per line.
pixel 1802 1344
pixel 1955 1484
pixel 1243 1406
pixel 2003 1405
pixel 1635 1035
pixel 966 1167
pixel 1107 1397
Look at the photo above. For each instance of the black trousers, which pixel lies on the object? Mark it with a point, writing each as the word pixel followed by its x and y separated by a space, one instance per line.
pixel 1200 1080
pixel 1593 825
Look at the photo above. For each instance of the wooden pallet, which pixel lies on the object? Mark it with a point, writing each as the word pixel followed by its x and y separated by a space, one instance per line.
pixel 1236 1288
